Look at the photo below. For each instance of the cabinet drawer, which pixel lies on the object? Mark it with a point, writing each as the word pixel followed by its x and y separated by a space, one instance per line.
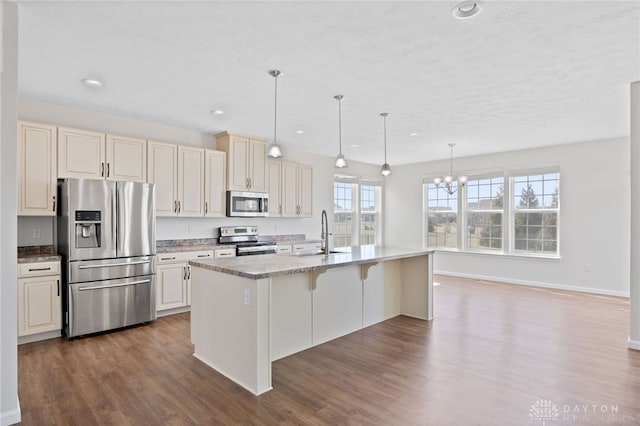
pixel 306 247
pixel 184 256
pixel 283 249
pixel 36 269
pixel 226 252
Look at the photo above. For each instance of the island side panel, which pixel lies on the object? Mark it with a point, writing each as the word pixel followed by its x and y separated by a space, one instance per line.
pixel 291 316
pixel 337 303
pixel 229 335
pixel 417 279
pixel 382 291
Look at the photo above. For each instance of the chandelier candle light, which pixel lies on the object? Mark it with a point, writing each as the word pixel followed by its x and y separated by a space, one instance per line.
pixel 386 169
pixel 340 161
pixel 450 178
pixel 274 148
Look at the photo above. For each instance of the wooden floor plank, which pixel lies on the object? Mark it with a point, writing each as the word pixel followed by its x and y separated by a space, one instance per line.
pixel 492 351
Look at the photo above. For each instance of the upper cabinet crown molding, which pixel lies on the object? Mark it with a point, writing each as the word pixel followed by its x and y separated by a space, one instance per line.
pixel 36 169
pixel 246 161
pixel 93 155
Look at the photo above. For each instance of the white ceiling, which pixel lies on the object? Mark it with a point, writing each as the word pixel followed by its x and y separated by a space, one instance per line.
pixel 519 75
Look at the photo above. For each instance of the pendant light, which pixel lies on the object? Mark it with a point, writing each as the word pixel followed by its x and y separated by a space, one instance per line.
pixel 386 169
pixel 274 148
pixel 340 161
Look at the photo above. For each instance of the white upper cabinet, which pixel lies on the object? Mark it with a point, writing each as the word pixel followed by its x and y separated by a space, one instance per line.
pixel 305 190
pixel 297 190
pixel 36 169
pixel 92 155
pixel 246 161
pixel 126 159
pixel 178 173
pixel 215 185
pixel 190 181
pixel 162 169
pixel 274 188
pixel 81 154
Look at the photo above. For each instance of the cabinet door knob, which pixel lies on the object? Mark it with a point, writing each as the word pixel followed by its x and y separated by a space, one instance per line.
pixel 58 283
pixel 107 169
pixel 206 207
pixel 175 206
pixel 54 204
pixel 179 208
pixel 102 169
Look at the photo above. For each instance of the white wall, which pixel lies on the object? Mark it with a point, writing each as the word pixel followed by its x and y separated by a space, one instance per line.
pixel 594 218
pixel 177 228
pixel 9 405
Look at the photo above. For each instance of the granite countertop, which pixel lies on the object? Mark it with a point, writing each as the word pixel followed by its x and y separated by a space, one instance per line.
pixel 266 266
pixel 31 254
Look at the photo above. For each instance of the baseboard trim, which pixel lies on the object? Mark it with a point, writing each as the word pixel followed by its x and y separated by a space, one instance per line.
pixel 11 417
pixel 40 336
pixel 633 344
pixel 538 284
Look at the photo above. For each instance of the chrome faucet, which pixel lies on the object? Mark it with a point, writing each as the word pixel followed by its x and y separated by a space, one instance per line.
pixel 324 233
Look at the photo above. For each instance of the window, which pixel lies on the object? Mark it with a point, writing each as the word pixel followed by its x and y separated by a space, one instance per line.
pixel 442 217
pixel 487 214
pixel 484 213
pixel 535 213
pixel 357 206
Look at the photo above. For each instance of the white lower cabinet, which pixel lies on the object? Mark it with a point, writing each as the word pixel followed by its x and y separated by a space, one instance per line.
pixel 284 249
pixel 219 253
pixel 173 280
pixel 306 247
pixel 39 298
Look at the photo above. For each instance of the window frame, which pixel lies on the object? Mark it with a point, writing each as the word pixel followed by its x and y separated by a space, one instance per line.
pixel 508 213
pixel 514 211
pixel 468 211
pixel 358 183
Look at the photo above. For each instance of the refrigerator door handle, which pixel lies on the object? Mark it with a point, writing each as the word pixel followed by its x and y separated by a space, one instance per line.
pixel 115 218
pixel 98 287
pixel 139 262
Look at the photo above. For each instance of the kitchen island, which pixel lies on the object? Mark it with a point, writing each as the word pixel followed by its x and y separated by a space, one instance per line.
pixel 249 311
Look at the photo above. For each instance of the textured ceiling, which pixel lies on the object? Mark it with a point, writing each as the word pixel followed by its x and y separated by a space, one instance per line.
pixel 519 75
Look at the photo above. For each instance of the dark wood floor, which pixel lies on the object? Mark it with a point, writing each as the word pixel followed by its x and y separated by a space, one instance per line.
pixel 495 354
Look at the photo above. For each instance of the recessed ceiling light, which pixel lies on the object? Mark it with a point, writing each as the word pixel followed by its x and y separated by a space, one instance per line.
pixel 299 132
pixel 217 112
pixel 92 82
pixel 355 145
pixel 414 134
pixel 467 9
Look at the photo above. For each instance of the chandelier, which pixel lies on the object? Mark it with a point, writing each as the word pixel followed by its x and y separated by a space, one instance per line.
pixel 448 180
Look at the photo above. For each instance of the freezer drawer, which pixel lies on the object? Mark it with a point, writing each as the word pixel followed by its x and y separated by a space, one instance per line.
pixel 104 305
pixel 106 269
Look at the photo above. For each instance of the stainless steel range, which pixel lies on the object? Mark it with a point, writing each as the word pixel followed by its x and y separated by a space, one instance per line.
pixel 106 235
pixel 246 240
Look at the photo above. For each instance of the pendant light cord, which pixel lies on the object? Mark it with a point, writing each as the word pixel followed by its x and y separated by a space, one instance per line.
pixel 340 123
pixel 275 110
pixel 385 137
pixel 451 145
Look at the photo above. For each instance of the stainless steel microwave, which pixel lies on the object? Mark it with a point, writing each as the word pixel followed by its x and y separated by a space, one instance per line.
pixel 247 204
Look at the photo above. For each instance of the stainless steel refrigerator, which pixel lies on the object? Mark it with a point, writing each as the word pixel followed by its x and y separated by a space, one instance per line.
pixel 106 235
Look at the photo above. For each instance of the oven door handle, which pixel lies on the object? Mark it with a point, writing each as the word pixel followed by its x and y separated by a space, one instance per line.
pixel 139 262
pixel 99 287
